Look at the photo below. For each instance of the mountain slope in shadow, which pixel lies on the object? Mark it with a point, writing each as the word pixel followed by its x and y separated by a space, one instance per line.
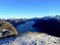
pixel 50 26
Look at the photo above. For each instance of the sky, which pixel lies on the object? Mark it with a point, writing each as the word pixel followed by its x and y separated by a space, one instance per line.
pixel 29 8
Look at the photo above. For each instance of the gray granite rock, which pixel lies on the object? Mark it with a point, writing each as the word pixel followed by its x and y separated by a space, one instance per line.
pixel 35 39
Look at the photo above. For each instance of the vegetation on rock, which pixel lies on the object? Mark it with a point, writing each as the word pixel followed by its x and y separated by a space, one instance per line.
pixel 6 29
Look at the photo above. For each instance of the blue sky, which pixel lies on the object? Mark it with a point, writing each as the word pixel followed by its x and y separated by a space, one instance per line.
pixel 28 8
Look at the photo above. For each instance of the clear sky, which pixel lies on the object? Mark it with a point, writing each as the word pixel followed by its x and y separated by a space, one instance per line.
pixel 28 8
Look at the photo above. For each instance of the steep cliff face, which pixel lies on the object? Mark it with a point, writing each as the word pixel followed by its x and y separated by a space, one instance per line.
pixel 6 29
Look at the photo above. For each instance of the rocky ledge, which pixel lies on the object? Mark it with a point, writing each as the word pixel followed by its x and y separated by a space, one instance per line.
pixel 35 39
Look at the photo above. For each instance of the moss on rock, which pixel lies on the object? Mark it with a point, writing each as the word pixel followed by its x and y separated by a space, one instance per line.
pixel 7 27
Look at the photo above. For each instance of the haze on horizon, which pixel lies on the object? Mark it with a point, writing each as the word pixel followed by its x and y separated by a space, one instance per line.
pixel 29 8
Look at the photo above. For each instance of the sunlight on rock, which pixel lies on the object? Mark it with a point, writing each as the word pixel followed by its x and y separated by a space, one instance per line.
pixel 35 39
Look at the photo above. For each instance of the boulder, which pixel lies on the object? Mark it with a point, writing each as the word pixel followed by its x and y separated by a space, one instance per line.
pixel 6 29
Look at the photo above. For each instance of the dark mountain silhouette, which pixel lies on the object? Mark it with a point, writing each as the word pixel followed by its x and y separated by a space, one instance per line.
pixel 16 22
pixel 49 25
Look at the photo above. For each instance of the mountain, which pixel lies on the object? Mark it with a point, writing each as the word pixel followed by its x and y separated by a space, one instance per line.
pixel 50 26
pixel 16 22
pixel 35 31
